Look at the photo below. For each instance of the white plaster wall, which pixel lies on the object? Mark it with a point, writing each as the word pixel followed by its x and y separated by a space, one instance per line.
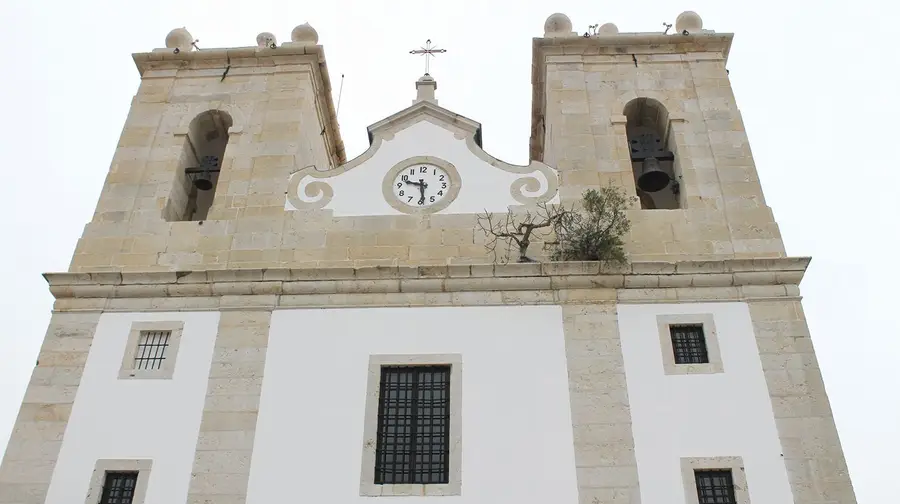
pixel 700 415
pixel 516 427
pixel 484 187
pixel 137 419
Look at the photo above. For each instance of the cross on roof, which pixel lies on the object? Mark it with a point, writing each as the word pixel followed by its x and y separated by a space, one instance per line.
pixel 428 51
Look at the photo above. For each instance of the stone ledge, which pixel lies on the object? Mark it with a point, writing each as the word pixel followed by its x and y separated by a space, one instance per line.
pixel 430 279
pixel 236 56
pixel 268 302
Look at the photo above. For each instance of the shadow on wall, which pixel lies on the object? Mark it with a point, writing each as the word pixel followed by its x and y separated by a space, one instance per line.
pixel 194 186
pixel 653 161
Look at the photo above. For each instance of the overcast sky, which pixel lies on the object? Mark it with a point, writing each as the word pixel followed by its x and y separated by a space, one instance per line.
pixel 816 82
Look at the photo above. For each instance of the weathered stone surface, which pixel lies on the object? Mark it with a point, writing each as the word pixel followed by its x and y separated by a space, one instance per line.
pixel 37 435
pixel 809 439
pixel 228 426
pixel 601 416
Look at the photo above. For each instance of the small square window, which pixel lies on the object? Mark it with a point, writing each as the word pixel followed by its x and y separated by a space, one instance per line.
pixel 715 486
pixel 689 344
pixel 714 480
pixel 118 487
pixel 117 481
pixel 151 350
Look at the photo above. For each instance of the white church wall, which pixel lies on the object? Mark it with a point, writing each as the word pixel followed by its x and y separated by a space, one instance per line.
pixel 516 429
pixel 675 416
pixel 358 191
pixel 129 419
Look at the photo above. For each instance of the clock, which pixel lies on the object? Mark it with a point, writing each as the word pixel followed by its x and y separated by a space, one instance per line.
pixel 422 185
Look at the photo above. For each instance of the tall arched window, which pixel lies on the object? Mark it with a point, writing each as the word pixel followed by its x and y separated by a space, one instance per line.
pixel 652 156
pixel 198 167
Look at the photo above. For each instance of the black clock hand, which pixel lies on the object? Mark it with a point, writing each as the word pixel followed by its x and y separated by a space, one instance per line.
pixel 422 185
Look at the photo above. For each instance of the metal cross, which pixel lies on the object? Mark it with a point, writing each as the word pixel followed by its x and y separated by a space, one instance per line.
pixel 428 52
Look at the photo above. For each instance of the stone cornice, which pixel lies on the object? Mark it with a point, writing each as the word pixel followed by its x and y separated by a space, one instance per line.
pixel 237 57
pixel 248 57
pixel 429 279
pixel 620 45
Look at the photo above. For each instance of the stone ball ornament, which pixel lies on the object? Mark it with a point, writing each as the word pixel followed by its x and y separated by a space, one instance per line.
pixel 305 34
pixel 266 40
pixel 688 21
pixel 180 39
pixel 558 24
pixel 608 29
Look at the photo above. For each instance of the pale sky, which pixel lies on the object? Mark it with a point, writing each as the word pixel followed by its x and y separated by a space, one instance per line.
pixel 813 80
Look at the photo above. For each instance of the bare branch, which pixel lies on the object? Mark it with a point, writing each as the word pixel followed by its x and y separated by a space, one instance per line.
pixel 593 233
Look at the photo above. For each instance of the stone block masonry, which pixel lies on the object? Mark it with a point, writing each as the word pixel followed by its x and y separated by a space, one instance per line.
pixel 813 456
pixel 228 426
pixel 36 439
pixel 605 464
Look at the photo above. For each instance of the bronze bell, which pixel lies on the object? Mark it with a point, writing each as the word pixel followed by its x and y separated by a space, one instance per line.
pixel 203 182
pixel 653 178
pixel 202 175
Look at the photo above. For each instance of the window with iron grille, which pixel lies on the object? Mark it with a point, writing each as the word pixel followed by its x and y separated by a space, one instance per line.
pixel 151 349
pixel 118 488
pixel 689 344
pixel 413 440
pixel 715 486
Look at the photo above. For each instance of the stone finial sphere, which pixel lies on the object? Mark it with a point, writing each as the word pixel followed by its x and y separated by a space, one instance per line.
pixel 608 29
pixel 305 34
pixel 265 39
pixel 558 23
pixel 180 39
pixel 688 21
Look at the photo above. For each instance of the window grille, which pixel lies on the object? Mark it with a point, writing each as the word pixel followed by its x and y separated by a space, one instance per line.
pixel 151 349
pixel 119 488
pixel 689 344
pixel 715 487
pixel 413 440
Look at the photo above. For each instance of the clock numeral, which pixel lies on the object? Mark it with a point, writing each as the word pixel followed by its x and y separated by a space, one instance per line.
pixel 410 199
pixel 404 178
pixel 444 185
pixel 422 201
pixel 440 193
pixel 434 172
pixel 399 185
pixel 441 179
pixel 432 199
pixel 423 169
pixel 412 171
pixel 401 193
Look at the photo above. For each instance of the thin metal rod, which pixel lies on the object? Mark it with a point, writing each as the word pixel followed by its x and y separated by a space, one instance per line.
pixel 340 93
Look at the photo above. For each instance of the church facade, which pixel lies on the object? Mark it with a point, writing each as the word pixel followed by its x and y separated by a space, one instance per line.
pixel 251 317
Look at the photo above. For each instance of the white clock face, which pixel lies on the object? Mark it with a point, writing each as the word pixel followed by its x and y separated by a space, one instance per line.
pixel 421 185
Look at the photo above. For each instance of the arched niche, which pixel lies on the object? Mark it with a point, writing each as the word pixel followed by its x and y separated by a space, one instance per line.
pixel 653 160
pixel 197 176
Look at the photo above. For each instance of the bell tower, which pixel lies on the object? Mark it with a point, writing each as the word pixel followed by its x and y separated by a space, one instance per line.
pixel 655 114
pixel 212 135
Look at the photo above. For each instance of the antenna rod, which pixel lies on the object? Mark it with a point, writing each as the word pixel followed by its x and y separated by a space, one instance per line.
pixel 340 93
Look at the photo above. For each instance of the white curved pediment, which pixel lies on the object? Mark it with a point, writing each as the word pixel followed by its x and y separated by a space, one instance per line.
pixel 362 185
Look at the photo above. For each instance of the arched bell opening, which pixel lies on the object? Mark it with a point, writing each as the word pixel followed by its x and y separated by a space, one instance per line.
pixel 199 165
pixel 653 160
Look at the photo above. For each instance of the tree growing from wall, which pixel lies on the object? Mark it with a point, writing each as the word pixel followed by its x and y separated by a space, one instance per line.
pixel 591 232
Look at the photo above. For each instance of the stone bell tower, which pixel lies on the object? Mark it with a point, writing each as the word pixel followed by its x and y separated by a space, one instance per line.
pixel 250 317
pixel 597 98
pixel 208 145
